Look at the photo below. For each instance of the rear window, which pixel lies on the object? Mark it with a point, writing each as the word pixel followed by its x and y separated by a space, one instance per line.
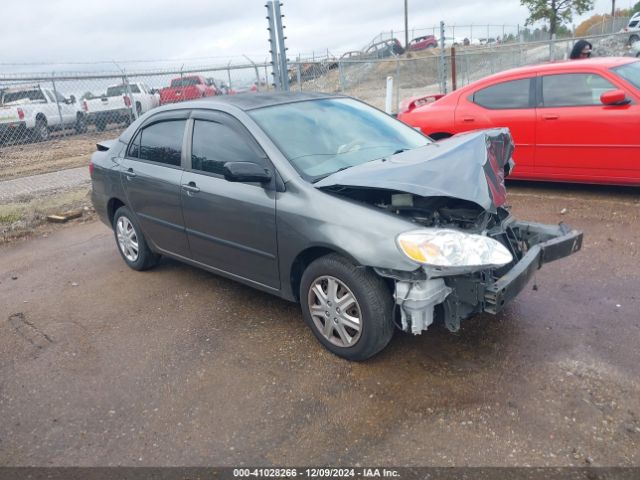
pixel 185 82
pixel 630 72
pixel 121 90
pixel 506 95
pixel 160 142
pixel 30 95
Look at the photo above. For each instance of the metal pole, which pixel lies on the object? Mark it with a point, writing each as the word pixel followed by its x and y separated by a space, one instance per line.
pixel 55 94
pixel 406 25
pixel 395 106
pixel 284 77
pixel 454 83
pixel 255 67
pixel 443 65
pixel 341 75
pixel 273 46
pixel 229 74
pixel 298 76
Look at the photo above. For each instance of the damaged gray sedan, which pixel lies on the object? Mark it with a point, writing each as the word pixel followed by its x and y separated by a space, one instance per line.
pixel 325 201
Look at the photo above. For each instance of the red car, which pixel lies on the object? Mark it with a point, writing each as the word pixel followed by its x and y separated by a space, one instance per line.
pixel 573 121
pixel 422 43
pixel 187 88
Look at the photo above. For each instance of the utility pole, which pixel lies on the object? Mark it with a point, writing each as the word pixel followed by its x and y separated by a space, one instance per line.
pixel 406 24
pixel 613 8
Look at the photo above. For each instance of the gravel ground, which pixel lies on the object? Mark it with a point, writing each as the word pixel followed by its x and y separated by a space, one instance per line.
pixel 101 365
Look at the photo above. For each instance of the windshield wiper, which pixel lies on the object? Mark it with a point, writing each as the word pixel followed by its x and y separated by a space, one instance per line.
pixel 329 174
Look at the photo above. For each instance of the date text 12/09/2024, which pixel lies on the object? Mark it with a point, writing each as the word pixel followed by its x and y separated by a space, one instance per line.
pixel 315 473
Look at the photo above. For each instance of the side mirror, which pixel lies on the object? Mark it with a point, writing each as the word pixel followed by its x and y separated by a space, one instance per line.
pixel 72 98
pixel 614 97
pixel 246 172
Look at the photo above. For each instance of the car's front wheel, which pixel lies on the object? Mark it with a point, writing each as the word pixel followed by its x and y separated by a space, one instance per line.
pixel 131 242
pixel 348 308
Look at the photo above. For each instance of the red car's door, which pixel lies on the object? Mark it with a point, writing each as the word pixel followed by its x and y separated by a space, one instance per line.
pixel 505 104
pixel 579 138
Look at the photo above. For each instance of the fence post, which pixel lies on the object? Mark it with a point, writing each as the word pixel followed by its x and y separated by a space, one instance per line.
pixel 298 77
pixel 284 71
pixel 55 94
pixel 132 109
pixel 229 74
pixel 395 105
pixel 273 44
pixel 443 65
pixel 341 75
pixel 454 83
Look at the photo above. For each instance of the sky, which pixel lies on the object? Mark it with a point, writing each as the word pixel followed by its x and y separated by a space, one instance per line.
pixel 170 32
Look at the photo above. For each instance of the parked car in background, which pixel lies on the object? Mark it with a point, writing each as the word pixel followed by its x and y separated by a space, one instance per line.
pixel 384 49
pixel 572 121
pixel 633 28
pixel 187 87
pixel 325 201
pixel 121 103
pixel 422 43
pixel 31 111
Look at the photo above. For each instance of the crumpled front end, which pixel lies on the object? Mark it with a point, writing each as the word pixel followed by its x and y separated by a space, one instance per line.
pixel 474 256
pixel 427 293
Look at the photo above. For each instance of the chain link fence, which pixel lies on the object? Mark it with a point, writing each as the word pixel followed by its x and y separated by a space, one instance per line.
pixel 51 122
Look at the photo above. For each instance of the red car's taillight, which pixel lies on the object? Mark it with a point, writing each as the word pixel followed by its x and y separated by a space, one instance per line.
pixel 85 106
pixel 127 101
pixel 20 113
pixel 91 168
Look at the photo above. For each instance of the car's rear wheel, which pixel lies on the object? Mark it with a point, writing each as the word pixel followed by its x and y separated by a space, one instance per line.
pixel 131 242
pixel 633 39
pixel 348 308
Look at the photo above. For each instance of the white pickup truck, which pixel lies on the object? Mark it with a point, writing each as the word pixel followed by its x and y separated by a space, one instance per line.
pixel 30 111
pixel 121 104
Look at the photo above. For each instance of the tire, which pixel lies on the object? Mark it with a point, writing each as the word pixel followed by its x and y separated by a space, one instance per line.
pixel 131 243
pixel 371 306
pixel 633 39
pixel 81 124
pixel 41 130
pixel 138 110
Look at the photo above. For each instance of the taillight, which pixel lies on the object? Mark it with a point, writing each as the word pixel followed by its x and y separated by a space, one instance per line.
pixel 20 113
pixel 127 101
pixel 91 168
pixel 85 106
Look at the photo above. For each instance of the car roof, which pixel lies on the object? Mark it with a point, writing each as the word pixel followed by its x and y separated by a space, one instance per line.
pixel 250 101
pixel 577 65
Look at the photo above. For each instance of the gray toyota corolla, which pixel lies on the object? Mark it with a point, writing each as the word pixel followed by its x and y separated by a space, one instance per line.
pixel 325 201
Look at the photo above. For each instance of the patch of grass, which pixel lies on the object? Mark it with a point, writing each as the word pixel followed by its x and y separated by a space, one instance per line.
pixel 21 218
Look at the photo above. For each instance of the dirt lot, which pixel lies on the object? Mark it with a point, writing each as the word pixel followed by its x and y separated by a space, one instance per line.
pixel 101 365
pixel 56 154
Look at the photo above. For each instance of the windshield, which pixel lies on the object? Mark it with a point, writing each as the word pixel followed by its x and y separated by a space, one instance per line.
pixel 118 90
pixel 185 82
pixel 320 137
pixel 630 72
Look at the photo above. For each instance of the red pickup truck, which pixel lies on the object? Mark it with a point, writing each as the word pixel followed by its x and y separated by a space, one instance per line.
pixel 187 88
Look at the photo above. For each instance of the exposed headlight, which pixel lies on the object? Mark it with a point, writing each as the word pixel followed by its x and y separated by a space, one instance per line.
pixel 451 248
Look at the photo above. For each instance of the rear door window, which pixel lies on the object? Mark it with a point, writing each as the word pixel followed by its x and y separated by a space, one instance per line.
pixel 573 89
pixel 160 142
pixel 506 95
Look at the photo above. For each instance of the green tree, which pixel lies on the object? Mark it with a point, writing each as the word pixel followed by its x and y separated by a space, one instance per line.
pixel 636 8
pixel 556 12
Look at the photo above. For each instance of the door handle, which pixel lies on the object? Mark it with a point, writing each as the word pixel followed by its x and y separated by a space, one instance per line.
pixel 550 116
pixel 190 187
pixel 130 173
pixel 468 119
